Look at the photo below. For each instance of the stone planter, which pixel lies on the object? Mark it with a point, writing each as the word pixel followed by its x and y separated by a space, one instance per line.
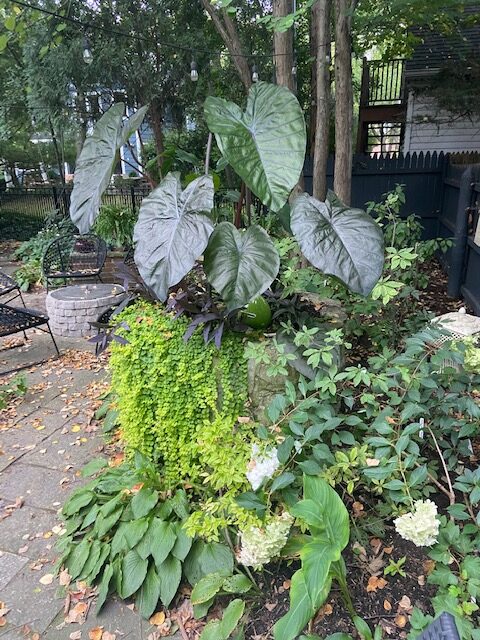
pixel 73 309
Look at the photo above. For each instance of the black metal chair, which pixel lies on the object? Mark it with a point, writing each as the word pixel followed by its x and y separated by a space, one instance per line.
pixel 8 285
pixel 443 628
pixel 14 320
pixel 74 256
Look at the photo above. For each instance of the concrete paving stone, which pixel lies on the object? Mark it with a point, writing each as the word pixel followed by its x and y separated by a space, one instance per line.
pixel 26 528
pixel 30 603
pixel 115 617
pixel 16 442
pixel 40 487
pixel 10 565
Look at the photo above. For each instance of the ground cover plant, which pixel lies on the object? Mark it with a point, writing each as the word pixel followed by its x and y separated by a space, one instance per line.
pixel 340 455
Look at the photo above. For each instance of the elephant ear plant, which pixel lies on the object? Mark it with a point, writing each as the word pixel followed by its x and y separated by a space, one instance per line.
pixel 265 145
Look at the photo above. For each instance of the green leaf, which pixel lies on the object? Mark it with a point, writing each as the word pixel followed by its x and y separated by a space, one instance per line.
pixel 104 525
pixel 207 588
pixel 183 543
pixel 334 512
pixel 282 481
pixel 134 531
pixel 231 617
pixel 362 627
pixel 212 631
pixel 237 584
pixel 240 265
pixel 265 144
pixel 300 612
pixel 170 574
pixel 316 560
pixel 134 571
pixel 252 502
pixel 201 610
pixel 309 512
pixel 205 558
pixel 78 557
pixel 148 596
pixel 346 243
pixel 104 553
pixel 171 233
pixel 104 586
pixel 95 165
pixel 143 502
pixel 4 38
pixel 158 541
pixel 93 556
pixel 77 501
pixel 93 467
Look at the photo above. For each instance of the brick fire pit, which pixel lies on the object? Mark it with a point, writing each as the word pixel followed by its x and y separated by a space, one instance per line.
pixel 72 309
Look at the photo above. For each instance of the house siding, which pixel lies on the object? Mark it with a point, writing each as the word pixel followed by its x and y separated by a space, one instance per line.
pixel 447 133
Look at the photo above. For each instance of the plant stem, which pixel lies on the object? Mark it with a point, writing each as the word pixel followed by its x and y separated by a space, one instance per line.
pixel 451 493
pixel 207 155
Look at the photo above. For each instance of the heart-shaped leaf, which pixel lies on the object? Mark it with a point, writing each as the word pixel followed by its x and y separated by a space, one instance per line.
pixel 96 162
pixel 240 265
pixel 346 243
pixel 265 144
pixel 171 233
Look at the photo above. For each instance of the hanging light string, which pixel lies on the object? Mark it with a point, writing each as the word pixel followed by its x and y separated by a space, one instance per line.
pixel 87 26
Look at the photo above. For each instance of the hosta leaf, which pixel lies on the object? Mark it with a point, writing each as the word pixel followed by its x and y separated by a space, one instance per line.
pixel 231 617
pixel 157 541
pixel 346 243
pixel 104 586
pixel 147 597
pixel 206 588
pixel 134 570
pixel 240 265
pixel 78 557
pixel 265 144
pixel 171 232
pixel 96 162
pixel 183 543
pixel 134 531
pixel 205 558
pixel 330 506
pixel 143 502
pixel 170 574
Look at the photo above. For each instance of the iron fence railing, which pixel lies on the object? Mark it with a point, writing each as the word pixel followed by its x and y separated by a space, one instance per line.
pixel 382 83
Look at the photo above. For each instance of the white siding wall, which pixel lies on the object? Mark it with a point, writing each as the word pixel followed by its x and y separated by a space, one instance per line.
pixel 446 133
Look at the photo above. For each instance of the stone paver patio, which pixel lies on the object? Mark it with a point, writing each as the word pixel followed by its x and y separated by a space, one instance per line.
pixel 42 451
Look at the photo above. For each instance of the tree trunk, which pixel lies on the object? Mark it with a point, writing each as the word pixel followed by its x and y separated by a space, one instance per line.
pixel 343 99
pixel 229 34
pixel 155 113
pixel 321 19
pixel 283 46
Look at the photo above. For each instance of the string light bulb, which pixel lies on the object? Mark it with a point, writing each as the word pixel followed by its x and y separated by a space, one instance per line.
pixel 87 53
pixel 193 71
pixel 254 73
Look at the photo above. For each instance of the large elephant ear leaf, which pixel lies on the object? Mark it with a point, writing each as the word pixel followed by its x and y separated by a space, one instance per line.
pixel 265 144
pixel 346 243
pixel 171 232
pixel 96 163
pixel 240 265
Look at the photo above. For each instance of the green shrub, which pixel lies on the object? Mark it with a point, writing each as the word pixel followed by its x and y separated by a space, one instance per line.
pixel 115 225
pixel 170 391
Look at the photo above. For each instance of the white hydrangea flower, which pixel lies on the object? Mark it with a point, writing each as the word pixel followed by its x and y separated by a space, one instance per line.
pixel 261 466
pixel 260 545
pixel 421 525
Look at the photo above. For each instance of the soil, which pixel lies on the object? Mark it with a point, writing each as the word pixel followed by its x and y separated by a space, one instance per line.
pixel 379 600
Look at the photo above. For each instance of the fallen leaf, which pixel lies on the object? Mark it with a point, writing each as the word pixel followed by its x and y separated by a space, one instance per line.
pixel 401 620
pixel 374 583
pixel 421 580
pixel 387 605
pixel 109 636
pixel 270 606
pixel 428 566
pixel 64 578
pixel 3 621
pixel 96 633
pixel 75 635
pixel 286 584
pixel 23 549
pixel 157 618
pixel 405 604
pixel 35 636
pixel 76 614
pixel 244 419
pixel 76 428
pixel 358 509
pixel 388 550
pixel 47 579
pixel 375 543
pixel 372 462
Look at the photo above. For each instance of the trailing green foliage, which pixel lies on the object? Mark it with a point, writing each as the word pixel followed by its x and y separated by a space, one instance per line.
pixel 171 393
pixel 14 388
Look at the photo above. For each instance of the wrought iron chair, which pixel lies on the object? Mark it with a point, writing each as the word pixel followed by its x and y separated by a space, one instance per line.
pixel 14 320
pixel 8 285
pixel 74 256
pixel 443 628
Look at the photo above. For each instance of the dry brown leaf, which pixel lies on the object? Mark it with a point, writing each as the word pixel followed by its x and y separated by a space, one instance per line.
pixel 270 606
pixel 3 621
pixel 75 635
pixel 64 578
pixel 96 633
pixel 401 620
pixel 374 583
pixel 387 605
pixel 372 462
pixel 375 543
pixel 405 604
pixel 76 614
pixel 109 636
pixel 388 550
pixel 421 580
pixel 428 566
pixel 287 584
pixel 35 636
pixel 47 579
pixel 158 618
pixel 358 509
pixel 327 609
